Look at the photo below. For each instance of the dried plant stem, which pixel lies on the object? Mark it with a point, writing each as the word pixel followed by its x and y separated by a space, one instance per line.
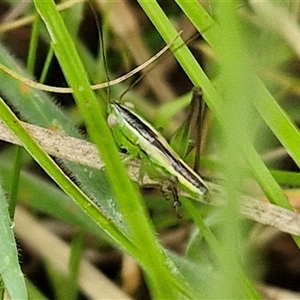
pixel 85 153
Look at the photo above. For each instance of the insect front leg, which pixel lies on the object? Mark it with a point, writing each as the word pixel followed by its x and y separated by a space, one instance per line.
pixel 171 186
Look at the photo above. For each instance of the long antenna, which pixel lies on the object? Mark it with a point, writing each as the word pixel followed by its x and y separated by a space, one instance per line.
pixel 101 47
pixel 156 61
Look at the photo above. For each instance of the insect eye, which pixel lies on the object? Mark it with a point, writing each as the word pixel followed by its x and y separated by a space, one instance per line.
pixel 112 120
pixel 129 105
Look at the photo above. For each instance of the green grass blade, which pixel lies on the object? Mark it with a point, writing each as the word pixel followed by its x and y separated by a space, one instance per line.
pixel 87 102
pixel 14 184
pixel 9 267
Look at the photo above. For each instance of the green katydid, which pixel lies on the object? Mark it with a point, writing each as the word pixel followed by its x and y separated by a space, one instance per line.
pixel 139 138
